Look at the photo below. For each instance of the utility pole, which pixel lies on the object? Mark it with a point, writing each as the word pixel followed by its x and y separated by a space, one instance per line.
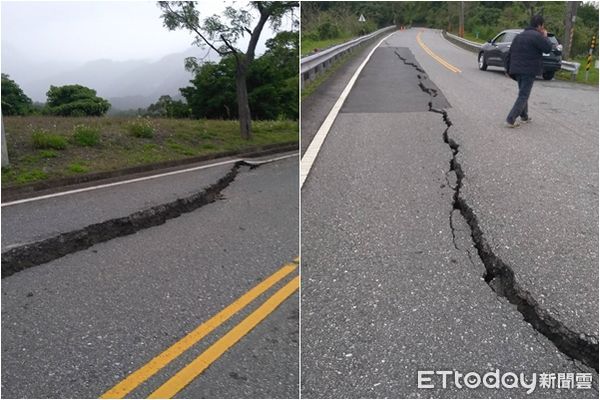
pixel 570 17
pixel 4 150
pixel 461 20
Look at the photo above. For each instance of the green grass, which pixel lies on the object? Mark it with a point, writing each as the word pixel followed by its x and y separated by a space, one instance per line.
pixel 77 168
pixel 172 139
pixel 141 128
pixel 21 177
pixel 42 139
pixel 473 38
pixel 86 136
pixel 308 46
pixel 48 154
pixel 181 148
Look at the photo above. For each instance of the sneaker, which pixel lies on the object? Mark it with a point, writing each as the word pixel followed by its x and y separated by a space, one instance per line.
pixel 513 125
pixel 526 120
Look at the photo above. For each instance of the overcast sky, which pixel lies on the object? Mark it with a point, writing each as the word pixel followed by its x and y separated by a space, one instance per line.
pixel 79 31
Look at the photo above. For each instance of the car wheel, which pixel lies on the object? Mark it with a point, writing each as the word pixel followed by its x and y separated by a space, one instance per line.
pixel 548 75
pixel 481 61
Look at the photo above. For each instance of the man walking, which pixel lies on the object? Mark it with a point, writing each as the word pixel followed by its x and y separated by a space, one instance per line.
pixel 525 64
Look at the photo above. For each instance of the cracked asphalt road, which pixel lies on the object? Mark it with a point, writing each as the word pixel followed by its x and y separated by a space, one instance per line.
pixel 76 326
pixel 388 287
pixel 21 223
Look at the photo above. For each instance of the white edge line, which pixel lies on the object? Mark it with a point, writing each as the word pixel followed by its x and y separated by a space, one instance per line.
pixel 145 178
pixel 315 145
pixel 270 160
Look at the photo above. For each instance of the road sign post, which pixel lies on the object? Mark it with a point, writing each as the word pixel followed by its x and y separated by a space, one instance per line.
pixel 589 58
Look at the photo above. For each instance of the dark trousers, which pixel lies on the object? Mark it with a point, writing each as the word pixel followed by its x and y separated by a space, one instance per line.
pixel 520 108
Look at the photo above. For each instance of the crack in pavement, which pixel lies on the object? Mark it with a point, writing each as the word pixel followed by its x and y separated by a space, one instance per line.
pixel 32 254
pixel 499 275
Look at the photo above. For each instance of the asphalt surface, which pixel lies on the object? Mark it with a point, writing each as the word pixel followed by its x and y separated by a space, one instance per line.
pixel 316 106
pixel 38 220
pixel 534 189
pixel 77 326
pixel 391 284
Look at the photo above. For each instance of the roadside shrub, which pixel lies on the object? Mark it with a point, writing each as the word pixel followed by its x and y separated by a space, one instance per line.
pixel 312 35
pixel 141 128
pixel 327 30
pixel 86 136
pixel 75 101
pixel 78 168
pixel 30 176
pixel 43 140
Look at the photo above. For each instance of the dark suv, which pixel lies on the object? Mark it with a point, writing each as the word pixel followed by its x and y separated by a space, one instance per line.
pixel 493 52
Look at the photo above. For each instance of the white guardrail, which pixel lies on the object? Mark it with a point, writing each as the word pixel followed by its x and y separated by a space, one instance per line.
pixel 572 67
pixel 315 64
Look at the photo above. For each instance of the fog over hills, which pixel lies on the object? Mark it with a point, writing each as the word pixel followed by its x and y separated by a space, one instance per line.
pixel 126 84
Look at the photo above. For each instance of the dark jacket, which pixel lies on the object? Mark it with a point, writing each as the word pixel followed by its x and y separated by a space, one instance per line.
pixel 526 52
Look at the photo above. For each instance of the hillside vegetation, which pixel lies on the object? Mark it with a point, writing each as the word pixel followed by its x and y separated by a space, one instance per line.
pixel 42 148
pixel 338 21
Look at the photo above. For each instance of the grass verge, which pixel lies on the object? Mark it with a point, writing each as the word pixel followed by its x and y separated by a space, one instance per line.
pixel 115 147
pixel 308 46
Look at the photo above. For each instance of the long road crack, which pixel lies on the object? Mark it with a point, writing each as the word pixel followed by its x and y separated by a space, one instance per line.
pixel 40 252
pixel 499 275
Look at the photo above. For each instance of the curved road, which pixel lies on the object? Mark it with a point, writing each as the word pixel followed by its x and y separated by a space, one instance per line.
pixel 394 278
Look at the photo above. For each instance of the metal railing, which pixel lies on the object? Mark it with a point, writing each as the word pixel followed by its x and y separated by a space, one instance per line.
pixel 572 67
pixel 315 64
pixel 464 43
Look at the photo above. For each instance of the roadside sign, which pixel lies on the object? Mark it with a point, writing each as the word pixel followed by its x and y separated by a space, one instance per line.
pixel 361 18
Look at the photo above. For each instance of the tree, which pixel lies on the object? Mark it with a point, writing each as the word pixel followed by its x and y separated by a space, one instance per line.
pixel 272 83
pixel 213 92
pixel 14 101
pixel 75 101
pixel 169 108
pixel 221 36
pixel 273 79
pixel 586 26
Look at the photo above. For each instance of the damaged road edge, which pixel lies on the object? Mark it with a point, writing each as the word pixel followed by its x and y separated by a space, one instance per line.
pixel 32 254
pixel 500 276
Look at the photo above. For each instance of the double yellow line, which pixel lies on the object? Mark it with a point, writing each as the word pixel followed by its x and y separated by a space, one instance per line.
pixel 187 374
pixel 435 56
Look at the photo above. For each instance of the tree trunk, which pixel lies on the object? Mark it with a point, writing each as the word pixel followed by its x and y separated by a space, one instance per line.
pixel 461 20
pixel 570 17
pixel 242 100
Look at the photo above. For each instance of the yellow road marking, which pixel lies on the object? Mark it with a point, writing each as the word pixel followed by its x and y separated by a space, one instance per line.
pixel 157 363
pixel 204 360
pixel 435 56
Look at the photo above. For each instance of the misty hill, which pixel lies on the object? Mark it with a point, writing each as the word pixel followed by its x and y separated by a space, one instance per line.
pixel 126 84
pixel 23 66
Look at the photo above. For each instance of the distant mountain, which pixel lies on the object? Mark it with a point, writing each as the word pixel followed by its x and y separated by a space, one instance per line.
pixel 126 84
pixel 23 67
